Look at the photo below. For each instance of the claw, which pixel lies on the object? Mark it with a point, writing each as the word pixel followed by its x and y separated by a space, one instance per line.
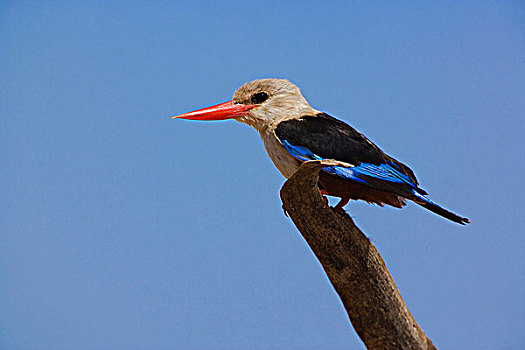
pixel 285 212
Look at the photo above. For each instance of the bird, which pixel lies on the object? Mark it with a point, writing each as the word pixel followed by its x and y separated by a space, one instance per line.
pixel 293 132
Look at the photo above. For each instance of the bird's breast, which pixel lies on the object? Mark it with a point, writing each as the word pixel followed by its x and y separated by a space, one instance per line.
pixel 286 164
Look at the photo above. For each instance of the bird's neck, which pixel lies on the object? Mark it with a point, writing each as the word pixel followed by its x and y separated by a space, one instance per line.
pixel 260 124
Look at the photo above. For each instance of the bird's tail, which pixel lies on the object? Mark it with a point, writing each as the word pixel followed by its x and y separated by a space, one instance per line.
pixel 433 207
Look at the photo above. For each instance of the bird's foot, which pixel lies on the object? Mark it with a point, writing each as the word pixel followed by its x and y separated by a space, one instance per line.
pixel 323 194
pixel 339 207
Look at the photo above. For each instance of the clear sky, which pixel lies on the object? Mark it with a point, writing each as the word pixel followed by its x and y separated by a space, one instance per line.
pixel 123 229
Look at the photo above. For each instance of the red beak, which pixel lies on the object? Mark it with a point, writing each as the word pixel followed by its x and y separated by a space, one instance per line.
pixel 226 110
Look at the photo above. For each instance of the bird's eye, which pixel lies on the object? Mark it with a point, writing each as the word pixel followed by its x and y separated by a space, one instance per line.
pixel 259 97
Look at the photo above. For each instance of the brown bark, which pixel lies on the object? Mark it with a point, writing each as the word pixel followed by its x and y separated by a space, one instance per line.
pixel 353 265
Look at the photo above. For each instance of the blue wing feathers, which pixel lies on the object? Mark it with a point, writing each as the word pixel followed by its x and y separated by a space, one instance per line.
pixel 300 152
pixel 388 171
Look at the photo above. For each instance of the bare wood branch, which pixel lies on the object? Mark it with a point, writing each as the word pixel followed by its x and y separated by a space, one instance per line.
pixel 353 265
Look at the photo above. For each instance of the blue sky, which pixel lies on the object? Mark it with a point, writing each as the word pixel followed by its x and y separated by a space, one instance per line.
pixel 124 229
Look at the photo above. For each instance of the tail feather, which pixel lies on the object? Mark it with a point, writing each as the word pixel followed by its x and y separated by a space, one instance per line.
pixel 433 207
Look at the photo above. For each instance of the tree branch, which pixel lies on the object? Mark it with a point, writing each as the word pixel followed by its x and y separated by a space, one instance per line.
pixel 353 265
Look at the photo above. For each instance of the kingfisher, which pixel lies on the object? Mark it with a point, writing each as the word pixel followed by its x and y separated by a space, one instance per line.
pixel 294 132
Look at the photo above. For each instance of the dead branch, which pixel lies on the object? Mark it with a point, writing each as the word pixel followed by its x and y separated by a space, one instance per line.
pixel 353 265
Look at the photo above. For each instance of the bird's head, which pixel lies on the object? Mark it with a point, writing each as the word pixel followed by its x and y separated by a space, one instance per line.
pixel 259 103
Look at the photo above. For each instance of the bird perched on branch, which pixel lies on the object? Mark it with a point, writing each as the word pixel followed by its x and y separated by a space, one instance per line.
pixel 293 132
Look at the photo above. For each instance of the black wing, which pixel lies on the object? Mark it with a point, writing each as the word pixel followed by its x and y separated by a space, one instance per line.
pixel 330 138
